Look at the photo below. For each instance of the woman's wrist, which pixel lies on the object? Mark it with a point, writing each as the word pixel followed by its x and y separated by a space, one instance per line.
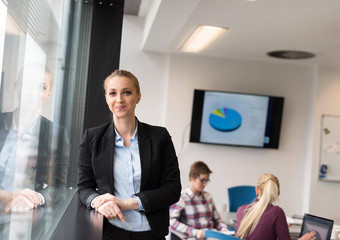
pixel 129 203
pixel 5 196
pixel 133 203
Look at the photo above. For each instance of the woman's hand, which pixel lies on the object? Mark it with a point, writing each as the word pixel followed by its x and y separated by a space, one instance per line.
pixel 200 234
pixel 308 236
pixel 123 204
pixel 100 200
pixel 33 196
pixel 111 210
pixel 111 207
pixel 22 200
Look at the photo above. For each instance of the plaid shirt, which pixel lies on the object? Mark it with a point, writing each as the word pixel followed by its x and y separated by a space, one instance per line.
pixel 192 213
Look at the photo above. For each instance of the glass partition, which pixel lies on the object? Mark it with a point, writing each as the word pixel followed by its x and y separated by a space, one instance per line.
pixel 39 97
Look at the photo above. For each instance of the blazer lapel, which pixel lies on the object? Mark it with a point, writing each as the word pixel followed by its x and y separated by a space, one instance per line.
pixel 144 143
pixel 108 155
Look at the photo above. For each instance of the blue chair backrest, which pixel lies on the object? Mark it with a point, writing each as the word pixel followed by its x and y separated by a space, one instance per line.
pixel 239 196
pixel 218 235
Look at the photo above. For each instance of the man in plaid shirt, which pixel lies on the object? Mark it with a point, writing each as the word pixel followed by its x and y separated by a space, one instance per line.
pixel 196 211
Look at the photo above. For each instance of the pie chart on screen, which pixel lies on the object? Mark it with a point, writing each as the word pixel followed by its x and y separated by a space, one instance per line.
pixel 225 119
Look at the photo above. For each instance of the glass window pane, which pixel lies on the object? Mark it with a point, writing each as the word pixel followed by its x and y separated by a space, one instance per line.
pixel 35 98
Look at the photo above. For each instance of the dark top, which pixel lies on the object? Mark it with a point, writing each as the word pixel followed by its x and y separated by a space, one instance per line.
pixel 272 225
pixel 160 183
pixel 52 160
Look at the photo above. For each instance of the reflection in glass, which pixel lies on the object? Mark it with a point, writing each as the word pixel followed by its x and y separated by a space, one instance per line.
pixel 34 147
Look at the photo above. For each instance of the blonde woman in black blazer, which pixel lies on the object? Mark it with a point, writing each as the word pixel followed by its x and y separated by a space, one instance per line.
pixel 156 187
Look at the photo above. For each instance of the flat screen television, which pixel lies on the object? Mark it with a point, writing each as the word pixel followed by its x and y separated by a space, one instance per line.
pixel 237 119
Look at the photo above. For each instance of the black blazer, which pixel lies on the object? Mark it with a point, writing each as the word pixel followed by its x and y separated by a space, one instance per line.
pixel 52 161
pixel 160 183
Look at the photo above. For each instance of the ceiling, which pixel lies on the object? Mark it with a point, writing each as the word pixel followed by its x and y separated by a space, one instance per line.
pixel 254 28
pixel 131 7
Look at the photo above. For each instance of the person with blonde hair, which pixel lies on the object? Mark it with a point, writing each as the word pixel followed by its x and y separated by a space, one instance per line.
pixel 261 220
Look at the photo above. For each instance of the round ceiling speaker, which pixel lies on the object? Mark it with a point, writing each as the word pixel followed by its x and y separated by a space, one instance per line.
pixel 291 54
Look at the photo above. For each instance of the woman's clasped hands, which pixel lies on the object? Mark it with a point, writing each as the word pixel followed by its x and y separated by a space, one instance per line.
pixel 107 205
pixel 20 201
pixel 111 207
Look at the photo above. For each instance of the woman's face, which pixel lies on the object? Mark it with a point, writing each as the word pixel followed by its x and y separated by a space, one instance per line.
pixel 121 97
pixel 197 185
pixel 34 90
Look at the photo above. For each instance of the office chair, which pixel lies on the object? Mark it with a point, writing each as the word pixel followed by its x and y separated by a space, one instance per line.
pixel 218 235
pixel 240 195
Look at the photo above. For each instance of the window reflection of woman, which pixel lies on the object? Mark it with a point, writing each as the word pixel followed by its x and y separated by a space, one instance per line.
pixel 33 90
pixel 29 143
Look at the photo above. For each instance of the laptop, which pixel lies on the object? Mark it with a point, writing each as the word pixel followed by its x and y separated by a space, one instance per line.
pixel 322 226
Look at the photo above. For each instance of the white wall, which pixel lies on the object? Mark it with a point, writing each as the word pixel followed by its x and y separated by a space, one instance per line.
pixel 151 69
pixel 324 198
pixel 240 165
pixel 167 84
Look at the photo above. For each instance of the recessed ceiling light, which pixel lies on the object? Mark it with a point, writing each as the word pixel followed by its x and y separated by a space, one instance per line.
pixel 291 54
pixel 202 37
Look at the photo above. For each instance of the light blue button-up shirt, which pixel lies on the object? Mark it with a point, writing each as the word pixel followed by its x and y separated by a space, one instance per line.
pixel 127 180
pixel 16 155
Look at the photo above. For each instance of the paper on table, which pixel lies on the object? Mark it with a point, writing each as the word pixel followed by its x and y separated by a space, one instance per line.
pixel 294 221
pixel 232 233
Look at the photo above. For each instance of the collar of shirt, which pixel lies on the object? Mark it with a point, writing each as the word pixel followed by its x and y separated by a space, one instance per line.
pixel 191 194
pixel 119 139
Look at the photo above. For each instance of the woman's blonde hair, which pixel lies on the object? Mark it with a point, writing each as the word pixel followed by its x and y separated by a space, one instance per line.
pixel 123 73
pixel 269 188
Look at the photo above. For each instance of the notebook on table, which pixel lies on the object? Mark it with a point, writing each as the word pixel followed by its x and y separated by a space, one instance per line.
pixel 322 226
